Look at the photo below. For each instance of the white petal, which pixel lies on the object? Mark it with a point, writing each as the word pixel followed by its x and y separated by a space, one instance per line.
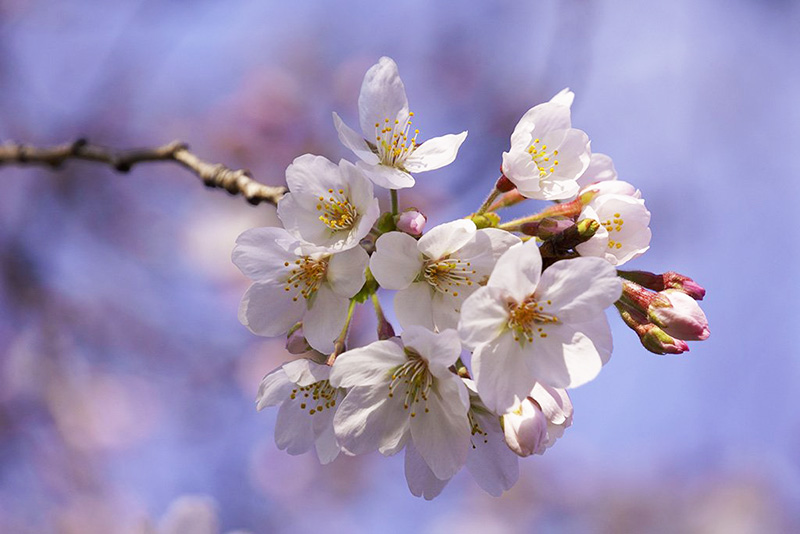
pixel 346 272
pixel 571 355
pixel 555 403
pixel 434 153
pixel 446 308
pixel 366 417
pixel 293 430
pixel 442 435
pixel 323 323
pixel 484 316
pixel 354 141
pixel 327 446
pixel 383 96
pixel 446 238
pixel 266 310
pixel 521 170
pixel 492 464
pixel 439 350
pixel 309 176
pixel 396 261
pixel 518 270
pixel 273 389
pixel 564 97
pixel 260 253
pixel 386 177
pixel 305 372
pixel 421 480
pixel 360 190
pixel 367 366
pixel 413 305
pixel 499 240
pixel 539 120
pixel 579 289
pixel 304 224
pixel 501 373
pixel 600 169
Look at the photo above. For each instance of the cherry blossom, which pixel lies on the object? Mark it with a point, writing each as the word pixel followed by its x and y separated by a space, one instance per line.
pixel 536 422
pixel 624 232
pixel 436 274
pixel 389 150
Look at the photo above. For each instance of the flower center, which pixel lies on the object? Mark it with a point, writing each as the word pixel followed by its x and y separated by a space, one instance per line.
pixel 528 319
pixel 393 143
pixel 448 274
pixel 612 225
pixel 413 381
pixel 545 161
pixel 337 211
pixel 315 397
pixel 306 276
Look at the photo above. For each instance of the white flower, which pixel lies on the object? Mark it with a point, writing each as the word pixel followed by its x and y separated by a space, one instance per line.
pixel 600 169
pixel 491 463
pixel 624 232
pixel 307 404
pixel 547 155
pixel 526 326
pixel 435 275
pixel 535 424
pixel 327 205
pixel 397 393
pixel 389 150
pixel 296 281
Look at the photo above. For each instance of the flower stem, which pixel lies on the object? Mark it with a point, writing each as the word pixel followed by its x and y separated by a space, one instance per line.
pixel 338 345
pixel 395 209
pixel 488 202
pixel 385 330
pixel 567 209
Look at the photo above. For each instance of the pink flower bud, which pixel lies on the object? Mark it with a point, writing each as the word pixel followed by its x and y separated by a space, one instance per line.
pixel 411 222
pixel 525 428
pixel 677 281
pixel 659 342
pixel 683 318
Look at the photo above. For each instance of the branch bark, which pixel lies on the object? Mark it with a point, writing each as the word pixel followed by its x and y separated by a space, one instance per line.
pixel 236 182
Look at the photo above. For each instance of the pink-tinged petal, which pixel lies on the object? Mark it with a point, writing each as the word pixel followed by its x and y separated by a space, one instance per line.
pixel 305 372
pixel 626 221
pixel 446 238
pixel 684 320
pixel 434 153
pixel 577 290
pixel 310 176
pixel 439 350
pixel 260 253
pixel 521 170
pixel 482 253
pixel 571 354
pixel 517 272
pixel 293 430
pixel 555 403
pixel 365 417
pixel 396 261
pixel 565 97
pixel 323 323
pixel 600 169
pixel 413 305
pixel 354 141
pixel 383 96
pixel 266 310
pixel 492 464
pixel 484 316
pixel 421 480
pixel 326 445
pixel 367 366
pixel 539 120
pixel 386 177
pixel 273 389
pixel 442 433
pixel 501 373
pixel 346 272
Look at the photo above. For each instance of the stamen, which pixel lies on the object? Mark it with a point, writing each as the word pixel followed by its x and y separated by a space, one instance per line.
pixel 306 276
pixel 526 316
pixel 449 273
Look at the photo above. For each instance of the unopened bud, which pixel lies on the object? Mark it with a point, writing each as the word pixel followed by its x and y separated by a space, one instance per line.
pixel 295 341
pixel 546 228
pixel 509 199
pixel 504 185
pixel 668 280
pixel 411 222
pixel 525 428
pixel 486 220
pixel 683 318
pixel 657 341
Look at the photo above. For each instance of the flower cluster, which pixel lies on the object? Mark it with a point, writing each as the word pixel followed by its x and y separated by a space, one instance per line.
pixel 498 320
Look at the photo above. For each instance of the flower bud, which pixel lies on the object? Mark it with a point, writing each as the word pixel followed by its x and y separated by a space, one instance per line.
pixel 683 318
pixel 659 342
pixel 668 280
pixel 547 227
pixel 411 222
pixel 525 428
pixel 295 342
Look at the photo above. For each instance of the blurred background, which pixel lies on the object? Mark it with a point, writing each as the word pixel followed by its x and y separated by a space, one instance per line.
pixel 127 384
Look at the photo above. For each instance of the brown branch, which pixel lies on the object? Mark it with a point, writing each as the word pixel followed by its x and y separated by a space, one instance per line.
pixel 236 182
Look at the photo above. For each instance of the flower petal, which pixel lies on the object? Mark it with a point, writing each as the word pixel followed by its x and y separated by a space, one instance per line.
pixel 396 261
pixel 327 446
pixel 554 403
pixel 446 238
pixel 518 270
pixel 366 417
pixel 267 311
pixel 434 153
pixel 323 323
pixel 293 430
pixel 383 96
pixel 274 388
pixel 346 272
pixel 421 480
pixel 367 366
pixel 260 253
pixel 501 373
pixel 354 141
pixel 386 177
pixel 309 176
pixel 579 289
pixel 305 372
pixel 600 169
pixel 439 350
pixel 413 305
pixel 492 464
pixel 484 316
pixel 540 119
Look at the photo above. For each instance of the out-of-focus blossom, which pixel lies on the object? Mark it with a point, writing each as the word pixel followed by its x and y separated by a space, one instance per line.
pixel 389 150
pixel 307 405
pixel 327 205
pixel 435 274
pixel 547 155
